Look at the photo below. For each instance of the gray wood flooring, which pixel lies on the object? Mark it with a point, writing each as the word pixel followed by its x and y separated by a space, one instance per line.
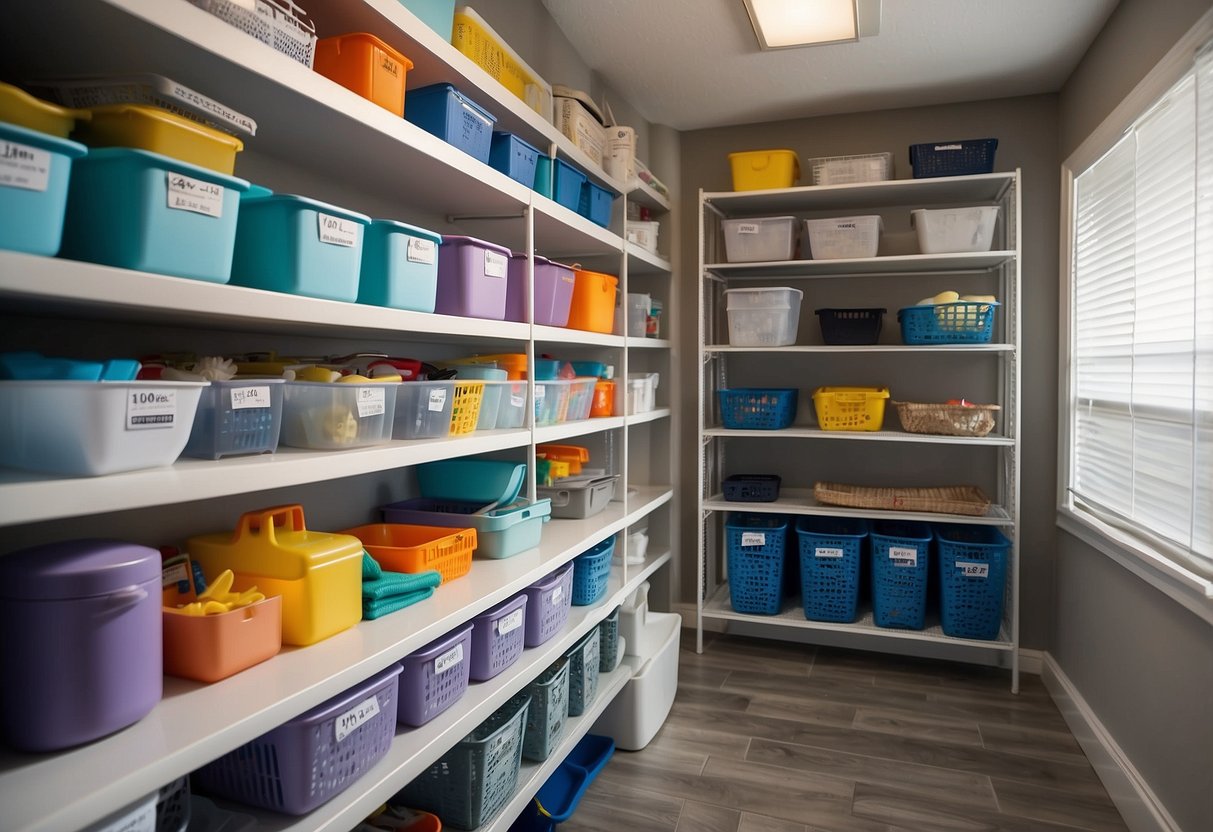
pixel 775 737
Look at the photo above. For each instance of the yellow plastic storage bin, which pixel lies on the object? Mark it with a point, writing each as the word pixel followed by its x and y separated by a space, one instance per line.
pixel 318 575
pixel 156 129
pixel 760 170
pixel 24 110
pixel 850 408
pixel 472 36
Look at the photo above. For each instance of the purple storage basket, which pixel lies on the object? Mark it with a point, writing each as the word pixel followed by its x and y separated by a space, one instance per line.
pixel 472 278
pixel 81 654
pixel 497 636
pixel 435 677
pixel 553 291
pixel 312 758
pixel 548 602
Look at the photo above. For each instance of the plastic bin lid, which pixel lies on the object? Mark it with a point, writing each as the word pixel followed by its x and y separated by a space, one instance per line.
pixel 76 569
pixel 105 115
pixel 460 239
pixel 472 480
pixel 450 89
pixel 504 135
pixel 481 372
pixel 339 42
pixel 308 202
pixel 274 542
pixel 411 230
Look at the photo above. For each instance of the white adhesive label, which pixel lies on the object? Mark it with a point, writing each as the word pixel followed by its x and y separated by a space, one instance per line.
pixel 746 228
pixel 336 231
pixel 151 409
pixel 142 819
pixel 451 658
pixel 437 399
pixel 371 401
pixel 540 392
pixel 25 167
pixel 753 538
pixel 973 570
pixel 556 595
pixel 509 623
pixel 172 575
pixel 495 264
pixel 903 556
pixel 517 400
pixel 187 194
pixel 247 398
pixel 421 251
pixel 348 722
pixel 827 552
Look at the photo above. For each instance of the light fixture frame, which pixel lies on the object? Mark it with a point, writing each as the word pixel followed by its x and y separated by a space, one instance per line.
pixel 867 24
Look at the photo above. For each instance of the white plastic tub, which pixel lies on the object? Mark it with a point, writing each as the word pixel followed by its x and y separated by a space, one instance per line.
pixel 638 313
pixel 512 411
pixel 763 317
pixel 644 234
pixel 844 238
pixel 949 230
pixel 848 170
pixel 760 239
pixel 91 428
pixel 337 416
pixel 640 709
pixel 642 392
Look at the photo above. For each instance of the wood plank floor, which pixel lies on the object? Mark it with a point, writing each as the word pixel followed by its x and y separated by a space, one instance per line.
pixel 775 737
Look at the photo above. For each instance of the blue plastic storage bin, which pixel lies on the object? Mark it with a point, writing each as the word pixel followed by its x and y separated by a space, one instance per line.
pixel 755 554
pixel 399 266
pixel 900 565
pixel 972 580
pixel 594 204
pixel 514 157
pixel 758 408
pixel 543 176
pixel 591 569
pixel 33 188
pixel 963 322
pixel 566 184
pixel 501 533
pixel 830 553
pixel 298 245
pixel 472 480
pixel 119 214
pixel 237 417
pixel 453 117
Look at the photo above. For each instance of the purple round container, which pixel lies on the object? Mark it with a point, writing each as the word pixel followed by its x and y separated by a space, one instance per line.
pixel 82 644
pixel 435 677
pixel 497 638
pixel 553 291
pixel 471 278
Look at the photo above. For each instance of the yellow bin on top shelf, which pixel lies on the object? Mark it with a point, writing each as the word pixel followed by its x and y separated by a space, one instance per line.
pixel 761 170
pixel 156 129
pixel 24 110
pixel 318 575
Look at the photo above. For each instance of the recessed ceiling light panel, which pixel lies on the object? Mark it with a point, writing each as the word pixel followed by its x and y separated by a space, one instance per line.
pixel 782 24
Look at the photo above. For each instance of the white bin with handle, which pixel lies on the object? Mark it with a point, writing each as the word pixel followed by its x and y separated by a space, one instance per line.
pixel 640 709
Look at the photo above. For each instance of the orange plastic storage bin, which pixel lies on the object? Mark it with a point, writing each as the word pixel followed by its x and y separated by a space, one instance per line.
pixel 155 129
pixel 604 400
pixel 212 647
pixel 368 66
pixel 404 548
pixel 593 306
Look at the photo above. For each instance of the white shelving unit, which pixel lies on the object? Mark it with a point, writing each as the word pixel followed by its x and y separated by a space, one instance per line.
pixel 804 453
pixel 317 138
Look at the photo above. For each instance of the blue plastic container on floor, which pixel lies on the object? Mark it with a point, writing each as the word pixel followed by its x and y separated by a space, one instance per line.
pixel 830 551
pixel 453 117
pixel 566 184
pixel 298 245
pixel 595 204
pixel 139 210
pixel 972 580
pixel 399 266
pixel 34 172
pixel 543 176
pixel 900 564
pixel 513 157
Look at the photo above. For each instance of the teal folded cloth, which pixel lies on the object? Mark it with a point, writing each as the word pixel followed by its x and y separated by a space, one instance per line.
pixel 386 592
pixel 376 609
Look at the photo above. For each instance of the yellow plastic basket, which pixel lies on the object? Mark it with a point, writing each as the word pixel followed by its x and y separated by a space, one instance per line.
pixel 156 129
pixel 761 170
pixel 850 408
pixel 472 36
pixel 19 107
pixel 465 407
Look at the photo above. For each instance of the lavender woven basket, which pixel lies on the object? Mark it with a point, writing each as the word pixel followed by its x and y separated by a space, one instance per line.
pixel 435 677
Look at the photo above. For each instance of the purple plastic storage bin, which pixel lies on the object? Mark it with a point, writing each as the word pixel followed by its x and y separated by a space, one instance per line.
pixel 435 677
pixel 553 291
pixel 472 278
pixel 81 654
pixel 548 602
pixel 315 756
pixel 497 636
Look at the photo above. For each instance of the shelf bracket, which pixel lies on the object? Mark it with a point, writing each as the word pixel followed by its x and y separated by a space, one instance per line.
pixel 454 218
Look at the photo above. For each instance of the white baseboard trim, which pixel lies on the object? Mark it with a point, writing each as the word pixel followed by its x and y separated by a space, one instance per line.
pixel 1134 799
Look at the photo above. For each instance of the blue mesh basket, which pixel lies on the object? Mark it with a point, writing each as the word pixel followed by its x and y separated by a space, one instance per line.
pixel 830 552
pixel 959 158
pixel 608 642
pixel 900 561
pixel 972 577
pixel 547 713
pixel 755 546
pixel 947 323
pixel 757 408
pixel 591 569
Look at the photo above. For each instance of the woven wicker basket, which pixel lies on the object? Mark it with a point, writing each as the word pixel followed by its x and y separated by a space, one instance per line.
pixel 949 499
pixel 946 419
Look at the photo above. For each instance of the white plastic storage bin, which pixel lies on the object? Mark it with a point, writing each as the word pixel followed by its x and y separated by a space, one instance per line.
pixel 844 238
pixel 336 416
pixel 638 314
pixel 642 392
pixel 764 317
pixel 760 239
pixel 848 170
pixel 640 709
pixel 949 230
pixel 644 234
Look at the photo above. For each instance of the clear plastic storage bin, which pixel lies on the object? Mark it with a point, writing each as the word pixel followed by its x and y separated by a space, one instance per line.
pixel 848 170
pixel 766 317
pixel 949 230
pixel 642 392
pixel 423 410
pixel 328 417
pixel 761 239
pixel 844 238
pixel 512 410
pixel 237 417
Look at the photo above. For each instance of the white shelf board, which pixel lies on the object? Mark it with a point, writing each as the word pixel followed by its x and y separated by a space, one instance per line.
pixel 800 501
pixel 896 266
pixel 641 261
pixel 567 430
pixel 34 284
pixel 981 188
pixel 28 497
pixel 643 193
pixel 564 235
pixel 649 416
pixel 564 335
pixel 885 435
pixel 648 344
pixel 866 348
pixel 792 615
pixel 195 723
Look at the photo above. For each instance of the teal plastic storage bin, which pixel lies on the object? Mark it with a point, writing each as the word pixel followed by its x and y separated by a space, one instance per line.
pixel 500 533
pixel 399 266
pixel 139 210
pixel 472 480
pixel 34 172
pixel 439 15
pixel 566 184
pixel 298 245
pixel 543 175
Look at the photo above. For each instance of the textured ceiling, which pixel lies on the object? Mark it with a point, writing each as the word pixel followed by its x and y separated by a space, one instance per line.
pixel 696 63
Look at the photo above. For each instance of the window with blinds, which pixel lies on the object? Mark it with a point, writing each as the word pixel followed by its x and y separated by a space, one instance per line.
pixel 1141 394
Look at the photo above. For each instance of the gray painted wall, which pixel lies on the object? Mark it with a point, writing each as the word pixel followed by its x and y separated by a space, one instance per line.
pixel 1142 662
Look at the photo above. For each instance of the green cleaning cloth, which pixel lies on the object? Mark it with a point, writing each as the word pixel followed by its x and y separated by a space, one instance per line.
pixel 386 592
pixel 377 609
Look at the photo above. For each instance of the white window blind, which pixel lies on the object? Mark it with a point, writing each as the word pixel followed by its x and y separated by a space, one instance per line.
pixel 1142 326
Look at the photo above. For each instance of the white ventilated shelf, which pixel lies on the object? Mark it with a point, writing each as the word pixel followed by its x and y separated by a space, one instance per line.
pixel 800 501
pixel 566 430
pixel 885 435
pixel 894 266
pixel 866 348
pixel 979 188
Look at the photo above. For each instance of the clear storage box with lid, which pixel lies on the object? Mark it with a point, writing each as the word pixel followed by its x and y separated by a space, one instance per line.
pixel 327 416
pixel 759 239
pixel 435 677
pixel 764 317
pixel 844 238
pixel 423 410
pixel 495 386
pixel 237 417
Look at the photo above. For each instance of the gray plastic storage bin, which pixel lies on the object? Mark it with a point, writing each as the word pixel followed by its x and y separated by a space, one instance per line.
pixel 576 500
